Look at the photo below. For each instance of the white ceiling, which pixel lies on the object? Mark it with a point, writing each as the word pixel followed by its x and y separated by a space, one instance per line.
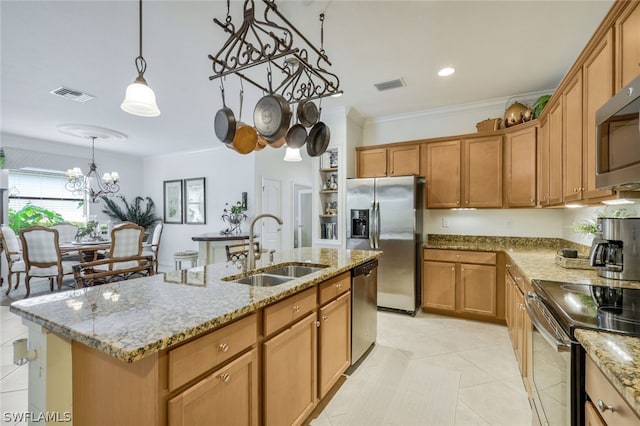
pixel 499 49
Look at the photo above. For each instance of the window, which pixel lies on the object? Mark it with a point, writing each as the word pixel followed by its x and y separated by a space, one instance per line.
pixel 44 188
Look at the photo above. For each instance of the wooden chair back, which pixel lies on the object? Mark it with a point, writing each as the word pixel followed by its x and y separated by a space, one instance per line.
pixel 240 251
pixel 126 240
pixel 99 272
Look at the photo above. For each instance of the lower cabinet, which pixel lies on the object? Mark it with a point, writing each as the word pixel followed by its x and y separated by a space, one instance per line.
pixel 334 342
pixel 289 374
pixel 518 323
pixel 461 282
pixel 225 397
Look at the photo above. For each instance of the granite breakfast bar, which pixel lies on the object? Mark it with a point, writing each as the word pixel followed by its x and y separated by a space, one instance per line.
pixel 105 349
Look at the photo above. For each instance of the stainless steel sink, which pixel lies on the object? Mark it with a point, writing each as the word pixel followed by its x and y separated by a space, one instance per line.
pixel 295 270
pixel 263 280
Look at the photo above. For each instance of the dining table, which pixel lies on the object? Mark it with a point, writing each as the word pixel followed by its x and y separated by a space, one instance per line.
pixel 89 251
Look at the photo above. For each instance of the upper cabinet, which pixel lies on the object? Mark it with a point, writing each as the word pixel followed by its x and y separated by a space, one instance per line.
pixel 597 89
pixel 572 139
pixel 401 160
pixel 627 30
pixel 550 157
pixel 465 173
pixel 520 167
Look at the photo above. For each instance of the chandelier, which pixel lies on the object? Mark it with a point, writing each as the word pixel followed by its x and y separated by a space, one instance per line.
pixel 92 184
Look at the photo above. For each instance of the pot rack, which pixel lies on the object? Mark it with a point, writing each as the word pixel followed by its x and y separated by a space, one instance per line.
pixel 266 42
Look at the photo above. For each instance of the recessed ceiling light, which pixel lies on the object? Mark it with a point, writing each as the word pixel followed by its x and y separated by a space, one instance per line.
pixel 446 71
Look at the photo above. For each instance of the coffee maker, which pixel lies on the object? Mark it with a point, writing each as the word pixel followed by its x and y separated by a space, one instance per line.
pixel 616 252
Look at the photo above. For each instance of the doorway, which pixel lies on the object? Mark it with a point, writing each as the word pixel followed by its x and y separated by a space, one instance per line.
pixel 271 203
pixel 302 215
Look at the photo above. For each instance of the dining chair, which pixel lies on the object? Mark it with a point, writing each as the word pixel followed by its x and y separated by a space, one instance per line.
pixel 41 253
pixel 99 272
pixel 126 241
pixel 13 254
pixel 240 251
pixel 66 231
pixel 154 247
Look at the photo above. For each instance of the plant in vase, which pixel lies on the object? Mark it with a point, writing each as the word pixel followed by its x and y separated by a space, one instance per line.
pixel 233 214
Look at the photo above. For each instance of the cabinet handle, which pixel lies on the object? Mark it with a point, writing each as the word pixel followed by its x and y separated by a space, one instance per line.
pixel 453 268
pixel 223 347
pixel 296 308
pixel 325 317
pixel 225 377
pixel 604 407
pixel 338 286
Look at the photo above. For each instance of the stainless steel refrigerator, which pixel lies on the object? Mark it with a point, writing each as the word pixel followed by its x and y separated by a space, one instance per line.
pixel 386 214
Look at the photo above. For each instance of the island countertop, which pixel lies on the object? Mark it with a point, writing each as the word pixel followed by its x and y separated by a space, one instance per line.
pixel 217 236
pixel 133 319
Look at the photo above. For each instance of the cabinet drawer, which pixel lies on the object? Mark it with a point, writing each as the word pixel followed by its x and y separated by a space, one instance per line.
pixel 600 389
pixel 289 310
pixel 192 359
pixel 460 256
pixel 334 287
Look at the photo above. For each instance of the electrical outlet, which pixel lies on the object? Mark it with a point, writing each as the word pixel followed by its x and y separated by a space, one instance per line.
pixel 445 222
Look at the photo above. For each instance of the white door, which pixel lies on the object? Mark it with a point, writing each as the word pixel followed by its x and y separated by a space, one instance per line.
pixel 271 203
pixel 302 211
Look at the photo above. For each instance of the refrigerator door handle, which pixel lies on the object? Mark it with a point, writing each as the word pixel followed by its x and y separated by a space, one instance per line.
pixel 372 226
pixel 377 224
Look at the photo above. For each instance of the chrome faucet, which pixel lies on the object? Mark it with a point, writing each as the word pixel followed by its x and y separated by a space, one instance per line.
pixel 252 256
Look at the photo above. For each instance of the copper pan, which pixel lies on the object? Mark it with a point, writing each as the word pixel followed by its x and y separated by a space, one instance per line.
pixel 245 139
pixel 278 143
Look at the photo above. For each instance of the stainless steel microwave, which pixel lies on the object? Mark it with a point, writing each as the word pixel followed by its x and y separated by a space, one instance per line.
pixel 618 140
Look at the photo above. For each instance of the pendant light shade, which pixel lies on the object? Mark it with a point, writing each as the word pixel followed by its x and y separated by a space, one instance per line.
pixel 292 154
pixel 139 98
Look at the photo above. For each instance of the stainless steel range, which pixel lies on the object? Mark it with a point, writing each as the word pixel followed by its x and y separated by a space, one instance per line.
pixel 556 309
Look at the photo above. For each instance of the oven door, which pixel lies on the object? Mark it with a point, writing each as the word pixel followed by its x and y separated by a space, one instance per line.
pixel 550 366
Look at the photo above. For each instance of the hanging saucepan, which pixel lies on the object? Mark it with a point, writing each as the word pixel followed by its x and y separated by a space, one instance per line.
pixel 318 139
pixel 297 135
pixel 261 142
pixel 307 113
pixel 279 143
pixel 272 116
pixel 246 137
pixel 224 122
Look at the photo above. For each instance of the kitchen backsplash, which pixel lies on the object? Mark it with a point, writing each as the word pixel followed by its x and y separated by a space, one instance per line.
pixel 483 242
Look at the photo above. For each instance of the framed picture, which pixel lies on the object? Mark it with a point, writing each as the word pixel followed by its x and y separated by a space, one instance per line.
pixel 173 201
pixel 195 201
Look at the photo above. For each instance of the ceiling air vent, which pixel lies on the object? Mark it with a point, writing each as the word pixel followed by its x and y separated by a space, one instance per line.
pixel 391 84
pixel 74 95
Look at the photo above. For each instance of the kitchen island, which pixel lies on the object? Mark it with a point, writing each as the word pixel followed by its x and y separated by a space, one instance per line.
pixel 110 349
pixel 211 245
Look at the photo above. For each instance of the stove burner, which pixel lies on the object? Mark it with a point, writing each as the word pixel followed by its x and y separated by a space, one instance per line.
pixel 616 313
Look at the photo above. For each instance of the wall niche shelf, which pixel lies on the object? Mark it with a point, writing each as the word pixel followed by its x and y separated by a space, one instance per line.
pixel 328 193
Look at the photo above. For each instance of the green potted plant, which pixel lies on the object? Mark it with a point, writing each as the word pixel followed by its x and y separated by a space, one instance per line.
pixel 142 211
pixel 589 227
pixel 539 105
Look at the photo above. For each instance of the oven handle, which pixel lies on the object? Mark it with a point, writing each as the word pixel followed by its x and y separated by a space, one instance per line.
pixel 559 344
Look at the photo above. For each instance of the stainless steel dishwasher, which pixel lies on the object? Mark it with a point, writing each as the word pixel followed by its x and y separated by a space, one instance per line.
pixel 364 312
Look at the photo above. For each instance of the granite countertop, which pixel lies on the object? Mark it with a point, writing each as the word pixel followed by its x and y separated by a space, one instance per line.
pixel 133 319
pixel 618 357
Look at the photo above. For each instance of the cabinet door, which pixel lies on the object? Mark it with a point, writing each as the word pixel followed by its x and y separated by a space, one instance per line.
pixel 404 160
pixel 228 396
pixel 478 289
pixel 372 162
pixel 439 285
pixel 598 88
pixel 483 172
pixel 520 168
pixel 591 416
pixel 334 342
pixel 628 45
pixel 555 153
pixel 509 306
pixel 289 374
pixel 520 315
pixel 543 163
pixel 443 174
pixel 572 139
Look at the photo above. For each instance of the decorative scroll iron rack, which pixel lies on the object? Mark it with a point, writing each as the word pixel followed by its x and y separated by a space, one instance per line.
pixel 271 44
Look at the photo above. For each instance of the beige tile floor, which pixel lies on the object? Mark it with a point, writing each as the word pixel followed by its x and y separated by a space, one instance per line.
pixel 424 370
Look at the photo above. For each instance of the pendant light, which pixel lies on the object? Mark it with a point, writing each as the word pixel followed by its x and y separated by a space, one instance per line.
pixel 292 154
pixel 140 99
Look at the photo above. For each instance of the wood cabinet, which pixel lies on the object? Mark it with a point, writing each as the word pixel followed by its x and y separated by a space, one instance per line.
pixel 401 160
pixel 334 331
pixel 518 322
pixel 334 342
pixel 627 30
pixel 289 373
pixel 465 173
pixel 591 416
pixel 520 167
pixel 227 396
pixel 611 407
pixel 372 162
pixel 572 139
pixel 598 88
pixel 550 157
pixel 443 174
pixel 461 282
